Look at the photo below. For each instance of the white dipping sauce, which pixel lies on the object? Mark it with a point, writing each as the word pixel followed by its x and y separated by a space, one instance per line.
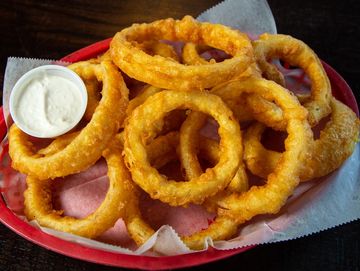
pixel 47 105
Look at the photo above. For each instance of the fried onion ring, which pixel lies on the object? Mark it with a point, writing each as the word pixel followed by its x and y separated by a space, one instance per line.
pixel 296 53
pixel 335 144
pixel 237 208
pixel 140 127
pixel 122 197
pixel 169 74
pixel 162 149
pixel 228 92
pixel 269 198
pixel 87 147
pixel 38 202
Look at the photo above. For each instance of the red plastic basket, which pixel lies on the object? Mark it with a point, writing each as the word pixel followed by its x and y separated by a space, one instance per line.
pixel 341 91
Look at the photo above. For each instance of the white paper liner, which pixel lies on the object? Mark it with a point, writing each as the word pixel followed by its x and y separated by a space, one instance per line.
pixel 251 16
pixel 315 206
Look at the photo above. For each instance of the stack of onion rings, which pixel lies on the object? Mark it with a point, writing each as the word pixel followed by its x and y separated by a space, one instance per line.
pixel 168 119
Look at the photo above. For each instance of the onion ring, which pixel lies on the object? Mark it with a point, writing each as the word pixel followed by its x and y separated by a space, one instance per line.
pixel 140 128
pixel 122 196
pixel 87 147
pixel 162 149
pixel 240 207
pixel 296 53
pixel 170 74
pixel 38 201
pixel 335 144
pixel 228 92
pixel 269 198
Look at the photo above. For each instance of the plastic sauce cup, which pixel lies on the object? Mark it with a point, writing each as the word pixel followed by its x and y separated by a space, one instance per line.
pixel 19 90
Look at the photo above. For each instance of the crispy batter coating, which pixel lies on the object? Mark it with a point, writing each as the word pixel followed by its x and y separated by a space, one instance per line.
pixel 166 73
pixel 38 201
pixel 237 208
pixel 335 144
pixel 87 147
pixel 140 128
pixel 280 184
pixel 296 53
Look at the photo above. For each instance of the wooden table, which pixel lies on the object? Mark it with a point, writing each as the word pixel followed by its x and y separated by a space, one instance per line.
pixel 52 29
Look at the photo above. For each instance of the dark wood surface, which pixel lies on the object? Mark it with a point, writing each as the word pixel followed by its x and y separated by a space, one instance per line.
pixel 52 29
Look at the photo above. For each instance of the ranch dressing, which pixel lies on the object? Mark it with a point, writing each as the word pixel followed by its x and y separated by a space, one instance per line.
pixel 47 105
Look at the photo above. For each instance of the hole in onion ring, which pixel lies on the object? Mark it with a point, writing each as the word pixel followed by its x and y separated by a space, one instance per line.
pixel 320 126
pixel 216 54
pixel 273 140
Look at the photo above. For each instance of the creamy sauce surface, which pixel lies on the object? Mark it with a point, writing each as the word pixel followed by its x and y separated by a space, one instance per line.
pixel 48 104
